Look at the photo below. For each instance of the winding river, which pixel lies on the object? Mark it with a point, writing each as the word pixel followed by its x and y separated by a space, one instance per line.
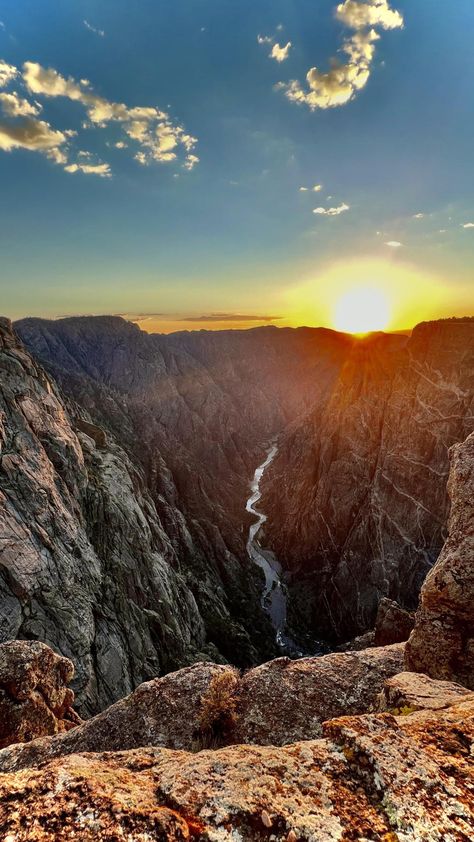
pixel 274 593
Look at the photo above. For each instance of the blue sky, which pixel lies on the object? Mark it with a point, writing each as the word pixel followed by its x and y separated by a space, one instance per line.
pixel 233 233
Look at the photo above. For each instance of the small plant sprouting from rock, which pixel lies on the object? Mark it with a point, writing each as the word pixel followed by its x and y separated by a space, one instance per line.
pixel 218 712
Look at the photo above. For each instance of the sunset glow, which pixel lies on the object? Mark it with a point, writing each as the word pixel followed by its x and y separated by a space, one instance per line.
pixel 362 311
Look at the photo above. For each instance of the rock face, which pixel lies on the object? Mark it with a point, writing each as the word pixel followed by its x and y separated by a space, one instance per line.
pixel 442 643
pixel 371 777
pixel 392 624
pixel 356 496
pixel 34 697
pixel 85 563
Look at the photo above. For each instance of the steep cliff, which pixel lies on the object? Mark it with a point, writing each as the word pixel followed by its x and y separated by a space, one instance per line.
pixel 357 497
pixel 85 562
pixel 442 643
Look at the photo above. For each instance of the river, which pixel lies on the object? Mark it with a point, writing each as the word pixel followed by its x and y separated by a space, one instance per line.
pixel 274 598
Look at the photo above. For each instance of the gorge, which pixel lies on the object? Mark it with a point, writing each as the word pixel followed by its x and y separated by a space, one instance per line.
pixel 125 466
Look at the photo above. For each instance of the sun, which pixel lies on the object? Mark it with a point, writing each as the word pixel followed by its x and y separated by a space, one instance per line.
pixel 362 310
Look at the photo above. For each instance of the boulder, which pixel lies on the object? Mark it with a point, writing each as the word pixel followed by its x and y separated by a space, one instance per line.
pixel 393 624
pixel 284 701
pixel 410 691
pixel 34 697
pixel 442 643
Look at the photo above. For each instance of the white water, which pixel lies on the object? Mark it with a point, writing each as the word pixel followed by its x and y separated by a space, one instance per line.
pixel 274 596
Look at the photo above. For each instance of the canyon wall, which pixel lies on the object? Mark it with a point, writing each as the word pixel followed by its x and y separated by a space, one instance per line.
pixel 357 497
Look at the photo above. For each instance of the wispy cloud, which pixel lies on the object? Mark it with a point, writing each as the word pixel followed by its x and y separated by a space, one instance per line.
pixel 342 208
pixel 7 73
pixel 316 189
pixel 93 29
pixel 344 80
pixel 419 216
pixel 394 244
pixel 468 225
pixel 229 317
pixel 149 131
pixel 102 170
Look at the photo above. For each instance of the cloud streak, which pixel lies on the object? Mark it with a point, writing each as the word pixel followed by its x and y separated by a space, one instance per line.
pixel 342 208
pixel 344 80
pixel 99 32
pixel 229 317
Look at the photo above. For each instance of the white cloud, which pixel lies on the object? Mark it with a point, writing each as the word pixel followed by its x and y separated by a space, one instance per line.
pixel 394 244
pixel 93 29
pixel 265 39
pixel 7 73
pixel 35 135
pixel 343 81
pixel 342 208
pixel 304 189
pixel 2 25
pixel 14 106
pixel 468 225
pixel 358 14
pixel 102 170
pixel 280 53
pixel 158 137
pixel 317 188
pixel 418 216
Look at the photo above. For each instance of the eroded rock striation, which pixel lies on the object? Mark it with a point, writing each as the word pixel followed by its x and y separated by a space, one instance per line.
pixel 442 643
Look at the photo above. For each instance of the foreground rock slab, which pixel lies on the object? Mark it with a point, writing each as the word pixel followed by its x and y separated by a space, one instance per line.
pixel 34 697
pixel 285 701
pixel 411 691
pixel 278 703
pixel 377 777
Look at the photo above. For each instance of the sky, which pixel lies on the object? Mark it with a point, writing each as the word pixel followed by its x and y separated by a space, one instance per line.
pixel 205 163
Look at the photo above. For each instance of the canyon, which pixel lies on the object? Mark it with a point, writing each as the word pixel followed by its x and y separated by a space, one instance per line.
pixel 127 460
pixel 348 746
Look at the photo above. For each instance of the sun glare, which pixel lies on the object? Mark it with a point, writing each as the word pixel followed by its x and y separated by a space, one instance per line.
pixel 362 311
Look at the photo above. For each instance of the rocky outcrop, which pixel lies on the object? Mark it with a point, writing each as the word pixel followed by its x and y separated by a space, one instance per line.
pixel 35 699
pixel 410 691
pixel 372 777
pixel 356 496
pixel 393 624
pixel 442 643
pixel 278 703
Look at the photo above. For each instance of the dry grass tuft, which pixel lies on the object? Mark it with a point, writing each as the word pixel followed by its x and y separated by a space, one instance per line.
pixel 218 713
